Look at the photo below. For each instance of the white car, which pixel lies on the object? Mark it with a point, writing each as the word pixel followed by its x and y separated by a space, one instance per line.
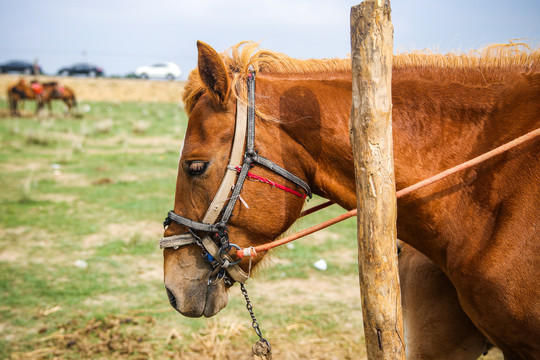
pixel 164 70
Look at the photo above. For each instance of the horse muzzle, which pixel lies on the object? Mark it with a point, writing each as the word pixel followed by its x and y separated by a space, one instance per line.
pixel 196 300
pixel 186 282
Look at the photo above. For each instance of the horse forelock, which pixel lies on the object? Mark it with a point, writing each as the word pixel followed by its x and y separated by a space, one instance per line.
pixel 491 64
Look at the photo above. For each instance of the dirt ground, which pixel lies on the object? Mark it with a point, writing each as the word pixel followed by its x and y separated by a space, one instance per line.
pixel 105 89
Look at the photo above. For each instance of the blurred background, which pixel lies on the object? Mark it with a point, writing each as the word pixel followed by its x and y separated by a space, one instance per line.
pixel 120 36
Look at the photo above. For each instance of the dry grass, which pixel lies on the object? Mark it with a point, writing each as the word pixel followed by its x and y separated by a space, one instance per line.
pixel 128 337
pixel 116 90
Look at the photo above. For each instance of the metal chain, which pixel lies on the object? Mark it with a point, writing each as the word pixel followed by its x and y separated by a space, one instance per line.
pixel 262 346
pixel 218 270
pixel 255 323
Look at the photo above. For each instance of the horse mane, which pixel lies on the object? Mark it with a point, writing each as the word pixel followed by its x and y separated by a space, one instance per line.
pixel 245 56
pixel 492 64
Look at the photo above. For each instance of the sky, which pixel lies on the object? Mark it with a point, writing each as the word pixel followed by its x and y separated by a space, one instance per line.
pixel 121 35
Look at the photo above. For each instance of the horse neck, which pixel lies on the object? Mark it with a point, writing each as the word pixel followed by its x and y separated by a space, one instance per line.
pixel 313 114
pixel 312 117
pixel 436 125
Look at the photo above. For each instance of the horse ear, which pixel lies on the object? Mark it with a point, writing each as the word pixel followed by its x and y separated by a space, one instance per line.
pixel 213 72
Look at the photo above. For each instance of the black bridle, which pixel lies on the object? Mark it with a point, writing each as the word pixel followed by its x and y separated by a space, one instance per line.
pixel 218 231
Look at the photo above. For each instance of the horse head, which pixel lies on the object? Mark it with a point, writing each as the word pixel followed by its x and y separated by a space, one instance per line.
pixel 261 213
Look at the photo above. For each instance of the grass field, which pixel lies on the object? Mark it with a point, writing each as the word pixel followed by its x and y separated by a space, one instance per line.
pixel 81 211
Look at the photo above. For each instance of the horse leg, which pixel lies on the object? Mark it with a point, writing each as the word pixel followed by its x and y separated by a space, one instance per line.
pixel 67 101
pixel 11 107
pixel 510 313
pixel 435 325
pixel 14 108
pixel 73 102
pixel 39 105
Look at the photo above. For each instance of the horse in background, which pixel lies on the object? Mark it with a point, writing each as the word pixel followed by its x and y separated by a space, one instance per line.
pixel 18 92
pixel 52 90
pixel 42 93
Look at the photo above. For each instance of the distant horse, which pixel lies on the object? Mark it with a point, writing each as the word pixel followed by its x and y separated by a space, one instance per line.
pixel 54 91
pixel 17 92
pixel 481 227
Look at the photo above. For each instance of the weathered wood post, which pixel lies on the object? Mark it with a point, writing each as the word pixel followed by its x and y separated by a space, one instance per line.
pixel 371 139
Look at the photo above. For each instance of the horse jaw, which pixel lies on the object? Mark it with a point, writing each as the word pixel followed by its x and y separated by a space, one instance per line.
pixel 186 276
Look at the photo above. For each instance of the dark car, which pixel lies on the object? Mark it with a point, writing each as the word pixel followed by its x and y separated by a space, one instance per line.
pixel 81 69
pixel 20 66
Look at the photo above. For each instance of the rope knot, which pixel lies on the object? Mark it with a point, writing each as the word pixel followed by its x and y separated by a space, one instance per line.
pixel 250 251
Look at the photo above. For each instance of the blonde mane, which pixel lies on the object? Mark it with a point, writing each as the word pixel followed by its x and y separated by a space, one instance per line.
pixel 491 64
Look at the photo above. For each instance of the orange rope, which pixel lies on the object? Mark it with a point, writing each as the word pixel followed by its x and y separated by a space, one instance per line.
pixel 252 251
pixel 316 208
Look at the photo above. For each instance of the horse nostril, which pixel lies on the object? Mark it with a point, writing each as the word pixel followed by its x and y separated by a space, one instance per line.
pixel 172 299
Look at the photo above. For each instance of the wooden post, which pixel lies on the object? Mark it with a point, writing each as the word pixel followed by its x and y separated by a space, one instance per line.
pixel 371 139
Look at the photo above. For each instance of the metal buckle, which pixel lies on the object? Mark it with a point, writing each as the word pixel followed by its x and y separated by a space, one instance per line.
pixel 224 251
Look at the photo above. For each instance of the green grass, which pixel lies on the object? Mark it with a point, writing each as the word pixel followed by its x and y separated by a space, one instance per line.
pixel 79 188
pixel 95 188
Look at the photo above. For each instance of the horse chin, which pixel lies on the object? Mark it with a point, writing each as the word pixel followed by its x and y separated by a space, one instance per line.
pixel 195 298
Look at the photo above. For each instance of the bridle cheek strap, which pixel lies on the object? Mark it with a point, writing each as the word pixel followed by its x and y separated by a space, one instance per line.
pixel 218 203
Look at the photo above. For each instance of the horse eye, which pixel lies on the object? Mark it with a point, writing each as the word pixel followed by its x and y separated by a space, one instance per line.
pixel 197 168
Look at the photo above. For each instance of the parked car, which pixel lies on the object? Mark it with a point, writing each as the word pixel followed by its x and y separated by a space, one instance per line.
pixel 19 66
pixel 81 69
pixel 165 70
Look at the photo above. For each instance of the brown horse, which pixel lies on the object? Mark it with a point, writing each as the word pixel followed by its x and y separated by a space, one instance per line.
pixel 480 227
pixel 54 91
pixel 42 93
pixel 17 92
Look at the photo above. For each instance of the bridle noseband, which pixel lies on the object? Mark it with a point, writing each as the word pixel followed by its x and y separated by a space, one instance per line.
pixel 215 244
